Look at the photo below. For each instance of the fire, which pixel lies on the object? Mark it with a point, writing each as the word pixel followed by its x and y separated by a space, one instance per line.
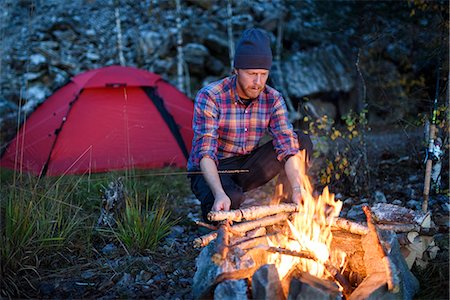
pixel 311 229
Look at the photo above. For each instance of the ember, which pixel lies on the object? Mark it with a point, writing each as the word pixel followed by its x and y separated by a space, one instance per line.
pixel 279 251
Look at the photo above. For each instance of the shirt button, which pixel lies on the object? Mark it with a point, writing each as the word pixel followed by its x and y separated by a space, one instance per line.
pixel 245 129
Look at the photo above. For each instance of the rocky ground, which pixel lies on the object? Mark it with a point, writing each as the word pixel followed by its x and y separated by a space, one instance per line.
pixel 167 273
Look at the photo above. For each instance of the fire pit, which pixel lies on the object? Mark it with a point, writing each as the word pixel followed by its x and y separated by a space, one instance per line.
pixel 288 251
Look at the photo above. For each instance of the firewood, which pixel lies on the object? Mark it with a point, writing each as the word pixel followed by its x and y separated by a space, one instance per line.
pixel 362 229
pixel 204 240
pixel 284 251
pixel 251 213
pixel 223 241
pixel 242 227
pixel 334 272
pixel 350 226
pixel 392 279
pixel 256 241
pixel 206 225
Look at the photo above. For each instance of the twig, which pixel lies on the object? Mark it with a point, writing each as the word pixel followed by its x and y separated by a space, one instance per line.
pixel 206 225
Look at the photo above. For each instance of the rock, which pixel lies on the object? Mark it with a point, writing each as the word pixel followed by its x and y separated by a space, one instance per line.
pixel 356 213
pixel 195 55
pixel 266 283
pixel 306 287
pixel 374 287
pixel 379 197
pixel 349 202
pixel 327 70
pixel 125 281
pixel 231 290
pixel 87 274
pixel 109 249
pixel 414 204
pixel 397 202
pixel 35 94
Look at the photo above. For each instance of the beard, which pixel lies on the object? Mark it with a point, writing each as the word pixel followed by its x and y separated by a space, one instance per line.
pixel 251 91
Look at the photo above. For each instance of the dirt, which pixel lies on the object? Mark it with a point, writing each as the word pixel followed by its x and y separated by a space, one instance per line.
pixel 167 272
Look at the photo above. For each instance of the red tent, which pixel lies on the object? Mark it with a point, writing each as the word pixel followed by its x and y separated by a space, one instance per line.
pixel 106 119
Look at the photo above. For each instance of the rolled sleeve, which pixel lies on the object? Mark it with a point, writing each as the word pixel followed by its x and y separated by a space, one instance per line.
pixel 285 140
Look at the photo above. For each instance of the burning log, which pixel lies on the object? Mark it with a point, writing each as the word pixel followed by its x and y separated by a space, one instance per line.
pixel 243 227
pixel 392 279
pixel 251 213
pixel 334 272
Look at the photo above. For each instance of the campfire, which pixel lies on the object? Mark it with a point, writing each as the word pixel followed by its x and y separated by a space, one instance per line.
pixel 305 251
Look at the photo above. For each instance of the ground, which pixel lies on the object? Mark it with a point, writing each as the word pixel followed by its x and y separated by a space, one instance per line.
pixel 167 272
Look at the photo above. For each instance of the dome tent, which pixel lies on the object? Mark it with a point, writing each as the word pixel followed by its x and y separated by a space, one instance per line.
pixel 106 119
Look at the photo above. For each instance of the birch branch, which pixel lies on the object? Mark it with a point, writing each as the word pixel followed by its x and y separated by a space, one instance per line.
pixel 252 213
pixel 243 227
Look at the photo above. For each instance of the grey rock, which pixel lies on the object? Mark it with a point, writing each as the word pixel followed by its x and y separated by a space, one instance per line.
pixel 35 94
pixel 195 55
pixel 397 202
pixel 379 197
pixel 266 283
pixel 109 249
pixel 306 287
pixel 356 213
pixel 231 290
pixel 349 201
pixel 414 204
pixel 318 70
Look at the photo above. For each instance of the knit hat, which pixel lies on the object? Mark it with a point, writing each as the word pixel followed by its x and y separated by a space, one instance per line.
pixel 253 50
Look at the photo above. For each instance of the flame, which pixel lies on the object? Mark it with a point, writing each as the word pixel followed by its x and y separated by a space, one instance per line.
pixel 311 228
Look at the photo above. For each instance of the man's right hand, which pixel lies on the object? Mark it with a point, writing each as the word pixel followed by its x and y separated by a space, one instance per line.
pixel 222 202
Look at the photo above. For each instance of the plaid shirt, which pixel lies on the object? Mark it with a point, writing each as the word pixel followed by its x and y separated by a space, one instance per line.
pixel 224 126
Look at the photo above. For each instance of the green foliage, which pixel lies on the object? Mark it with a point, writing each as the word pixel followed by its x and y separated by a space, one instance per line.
pixel 342 168
pixel 142 227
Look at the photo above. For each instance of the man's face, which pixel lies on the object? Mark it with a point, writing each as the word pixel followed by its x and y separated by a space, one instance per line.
pixel 251 82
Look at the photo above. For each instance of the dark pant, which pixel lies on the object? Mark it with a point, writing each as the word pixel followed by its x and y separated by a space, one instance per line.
pixel 262 165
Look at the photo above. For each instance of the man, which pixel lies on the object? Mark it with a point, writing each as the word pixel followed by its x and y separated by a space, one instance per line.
pixel 230 118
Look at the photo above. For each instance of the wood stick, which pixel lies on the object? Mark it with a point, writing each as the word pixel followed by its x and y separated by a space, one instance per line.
pixel 256 241
pixel 310 255
pixel 242 227
pixel 206 225
pixel 223 241
pixel 362 229
pixel 393 284
pixel 301 254
pixel 350 226
pixel 251 213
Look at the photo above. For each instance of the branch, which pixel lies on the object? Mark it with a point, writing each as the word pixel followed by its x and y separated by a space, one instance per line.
pixel 251 213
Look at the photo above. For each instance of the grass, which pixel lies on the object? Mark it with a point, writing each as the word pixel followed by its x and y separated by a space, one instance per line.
pixel 48 222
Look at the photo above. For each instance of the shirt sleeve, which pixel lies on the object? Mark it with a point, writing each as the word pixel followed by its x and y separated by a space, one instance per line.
pixel 205 124
pixel 285 140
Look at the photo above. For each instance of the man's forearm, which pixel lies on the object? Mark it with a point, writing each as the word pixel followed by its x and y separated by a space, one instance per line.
pixel 293 171
pixel 211 175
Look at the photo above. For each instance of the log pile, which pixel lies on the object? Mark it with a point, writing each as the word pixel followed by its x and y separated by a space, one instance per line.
pixel 238 250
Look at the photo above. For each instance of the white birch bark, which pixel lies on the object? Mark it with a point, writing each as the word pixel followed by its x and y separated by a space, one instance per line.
pixel 180 77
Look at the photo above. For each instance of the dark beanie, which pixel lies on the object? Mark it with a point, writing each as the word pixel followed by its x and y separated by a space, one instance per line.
pixel 253 50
